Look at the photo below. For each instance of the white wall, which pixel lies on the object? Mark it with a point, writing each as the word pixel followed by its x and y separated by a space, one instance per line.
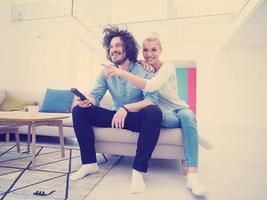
pixel 6 41
pixel 234 87
pixel 49 53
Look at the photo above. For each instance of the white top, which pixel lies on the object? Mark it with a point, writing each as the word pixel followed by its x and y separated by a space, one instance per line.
pixel 165 82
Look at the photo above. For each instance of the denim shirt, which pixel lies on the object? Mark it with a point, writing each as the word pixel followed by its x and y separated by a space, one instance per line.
pixel 122 91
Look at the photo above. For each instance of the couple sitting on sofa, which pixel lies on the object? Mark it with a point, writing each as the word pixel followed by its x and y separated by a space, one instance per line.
pixel 142 102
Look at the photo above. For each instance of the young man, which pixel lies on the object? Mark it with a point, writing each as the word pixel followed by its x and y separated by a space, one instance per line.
pixel 133 109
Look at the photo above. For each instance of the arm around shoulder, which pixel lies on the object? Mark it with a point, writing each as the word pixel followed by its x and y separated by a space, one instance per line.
pixel 160 78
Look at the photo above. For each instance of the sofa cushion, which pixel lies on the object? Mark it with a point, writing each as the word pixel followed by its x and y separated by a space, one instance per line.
pixel 171 136
pixel 2 96
pixel 12 103
pixel 57 101
pixel 68 121
pixel 167 135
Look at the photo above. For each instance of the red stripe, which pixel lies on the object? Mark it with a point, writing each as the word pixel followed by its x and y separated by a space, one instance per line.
pixel 192 80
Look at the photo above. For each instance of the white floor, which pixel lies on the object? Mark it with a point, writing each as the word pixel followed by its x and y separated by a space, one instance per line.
pixel 234 170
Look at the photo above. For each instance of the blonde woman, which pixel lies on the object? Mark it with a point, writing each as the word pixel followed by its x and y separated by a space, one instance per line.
pixel 176 113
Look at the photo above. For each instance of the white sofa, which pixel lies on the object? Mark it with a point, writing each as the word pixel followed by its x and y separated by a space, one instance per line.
pixel 121 141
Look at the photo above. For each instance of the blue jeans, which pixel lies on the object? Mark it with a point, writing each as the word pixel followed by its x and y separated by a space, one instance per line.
pixel 184 118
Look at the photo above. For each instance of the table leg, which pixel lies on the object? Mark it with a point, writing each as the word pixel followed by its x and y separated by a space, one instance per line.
pixel 33 134
pixel 17 140
pixel 61 138
pixel 29 139
pixel 7 137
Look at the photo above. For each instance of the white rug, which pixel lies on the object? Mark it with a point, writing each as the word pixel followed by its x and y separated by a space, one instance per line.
pixel 51 178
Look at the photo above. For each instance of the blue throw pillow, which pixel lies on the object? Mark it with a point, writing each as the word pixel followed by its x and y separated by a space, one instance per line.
pixel 57 101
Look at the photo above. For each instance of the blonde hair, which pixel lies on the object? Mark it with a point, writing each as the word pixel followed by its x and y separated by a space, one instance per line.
pixel 153 36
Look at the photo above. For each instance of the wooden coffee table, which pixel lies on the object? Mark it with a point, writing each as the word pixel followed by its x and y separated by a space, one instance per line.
pixel 10 129
pixel 17 118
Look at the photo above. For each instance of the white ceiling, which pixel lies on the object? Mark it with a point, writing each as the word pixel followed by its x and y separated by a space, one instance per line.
pixel 177 21
pixel 138 11
pixel 124 11
pixel 253 33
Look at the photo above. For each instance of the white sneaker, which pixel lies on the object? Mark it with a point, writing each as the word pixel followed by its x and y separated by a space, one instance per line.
pixel 194 183
pixel 138 184
pixel 85 170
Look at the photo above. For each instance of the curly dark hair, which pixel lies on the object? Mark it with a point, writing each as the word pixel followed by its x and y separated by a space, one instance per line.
pixel 129 43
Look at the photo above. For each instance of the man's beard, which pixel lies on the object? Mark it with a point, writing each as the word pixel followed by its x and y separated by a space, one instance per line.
pixel 121 61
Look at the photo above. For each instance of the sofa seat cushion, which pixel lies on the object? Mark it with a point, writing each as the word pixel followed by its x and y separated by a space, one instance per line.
pixel 68 121
pixel 167 136
pixel 171 136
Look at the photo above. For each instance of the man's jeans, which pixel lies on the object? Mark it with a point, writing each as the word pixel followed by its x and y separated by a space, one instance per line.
pixel 184 118
pixel 147 122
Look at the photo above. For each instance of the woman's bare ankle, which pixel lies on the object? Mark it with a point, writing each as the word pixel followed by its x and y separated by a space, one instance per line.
pixel 191 170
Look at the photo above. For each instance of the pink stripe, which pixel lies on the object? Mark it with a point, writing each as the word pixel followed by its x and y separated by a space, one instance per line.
pixel 192 80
